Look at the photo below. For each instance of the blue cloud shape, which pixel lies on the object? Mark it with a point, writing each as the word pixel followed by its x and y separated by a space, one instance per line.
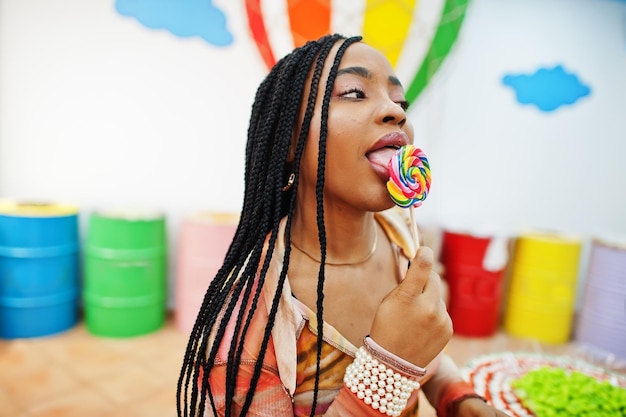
pixel 184 18
pixel 547 88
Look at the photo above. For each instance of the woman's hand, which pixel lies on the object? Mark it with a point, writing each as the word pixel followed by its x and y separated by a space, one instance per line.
pixel 475 407
pixel 411 321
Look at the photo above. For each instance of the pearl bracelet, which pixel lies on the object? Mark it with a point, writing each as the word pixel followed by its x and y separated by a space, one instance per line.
pixel 377 385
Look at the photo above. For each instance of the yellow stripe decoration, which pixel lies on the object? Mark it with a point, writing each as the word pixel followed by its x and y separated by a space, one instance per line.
pixel 386 24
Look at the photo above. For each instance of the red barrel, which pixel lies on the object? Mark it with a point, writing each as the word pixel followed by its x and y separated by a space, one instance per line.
pixel 474 270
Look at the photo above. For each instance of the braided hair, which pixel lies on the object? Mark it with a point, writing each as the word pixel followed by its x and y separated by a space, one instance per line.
pixel 274 118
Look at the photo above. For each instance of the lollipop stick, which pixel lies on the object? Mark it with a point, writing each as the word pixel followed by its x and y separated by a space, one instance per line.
pixel 416 239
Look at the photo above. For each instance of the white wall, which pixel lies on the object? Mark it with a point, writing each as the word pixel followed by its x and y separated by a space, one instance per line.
pixel 511 167
pixel 97 110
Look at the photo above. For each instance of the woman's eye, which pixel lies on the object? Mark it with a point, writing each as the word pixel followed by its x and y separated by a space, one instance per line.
pixel 353 93
pixel 404 104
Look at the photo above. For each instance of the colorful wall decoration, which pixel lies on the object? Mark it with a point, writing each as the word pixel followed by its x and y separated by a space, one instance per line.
pixel 416 36
pixel 547 88
pixel 182 18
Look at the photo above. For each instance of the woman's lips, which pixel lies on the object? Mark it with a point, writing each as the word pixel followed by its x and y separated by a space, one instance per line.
pixel 383 150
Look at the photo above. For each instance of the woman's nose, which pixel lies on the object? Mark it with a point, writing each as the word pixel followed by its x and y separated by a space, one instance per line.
pixel 393 113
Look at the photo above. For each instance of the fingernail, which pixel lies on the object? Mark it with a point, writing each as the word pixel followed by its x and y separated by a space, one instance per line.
pixel 425 255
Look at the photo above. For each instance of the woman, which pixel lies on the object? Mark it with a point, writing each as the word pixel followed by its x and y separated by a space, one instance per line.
pixel 320 260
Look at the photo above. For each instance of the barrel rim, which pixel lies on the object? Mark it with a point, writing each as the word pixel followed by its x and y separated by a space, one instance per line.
pixel 129 214
pixel 36 209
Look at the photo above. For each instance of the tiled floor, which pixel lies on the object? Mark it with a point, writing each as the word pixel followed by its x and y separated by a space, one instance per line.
pixel 76 374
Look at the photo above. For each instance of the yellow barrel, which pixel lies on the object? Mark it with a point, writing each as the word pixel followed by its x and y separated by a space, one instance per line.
pixel 542 290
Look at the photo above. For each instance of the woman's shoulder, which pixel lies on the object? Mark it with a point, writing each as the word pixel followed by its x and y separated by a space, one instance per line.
pixel 237 320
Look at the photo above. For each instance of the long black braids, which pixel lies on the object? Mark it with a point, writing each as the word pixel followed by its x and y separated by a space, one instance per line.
pixel 319 193
pixel 274 117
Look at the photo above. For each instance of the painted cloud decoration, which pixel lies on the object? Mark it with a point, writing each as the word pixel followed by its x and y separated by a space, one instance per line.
pixel 184 18
pixel 547 88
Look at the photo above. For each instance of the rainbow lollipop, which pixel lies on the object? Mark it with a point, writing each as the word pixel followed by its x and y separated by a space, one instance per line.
pixel 409 177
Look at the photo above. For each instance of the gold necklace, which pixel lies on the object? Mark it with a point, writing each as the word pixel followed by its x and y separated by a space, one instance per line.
pixel 365 258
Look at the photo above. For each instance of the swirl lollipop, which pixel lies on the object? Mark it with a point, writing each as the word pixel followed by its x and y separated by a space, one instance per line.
pixel 409 177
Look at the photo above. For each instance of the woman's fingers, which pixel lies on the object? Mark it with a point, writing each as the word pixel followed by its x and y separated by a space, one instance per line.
pixel 412 321
pixel 418 275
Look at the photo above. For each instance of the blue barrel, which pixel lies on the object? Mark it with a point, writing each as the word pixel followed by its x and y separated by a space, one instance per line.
pixel 39 265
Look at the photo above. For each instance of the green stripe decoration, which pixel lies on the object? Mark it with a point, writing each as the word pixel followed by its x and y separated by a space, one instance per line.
pixel 452 17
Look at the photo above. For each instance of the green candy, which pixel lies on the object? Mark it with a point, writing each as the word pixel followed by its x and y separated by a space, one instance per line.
pixel 553 392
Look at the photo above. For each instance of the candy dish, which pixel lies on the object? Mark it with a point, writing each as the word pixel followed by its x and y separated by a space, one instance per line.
pixel 492 375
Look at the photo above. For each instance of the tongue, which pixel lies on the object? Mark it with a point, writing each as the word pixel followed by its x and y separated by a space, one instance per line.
pixel 381 156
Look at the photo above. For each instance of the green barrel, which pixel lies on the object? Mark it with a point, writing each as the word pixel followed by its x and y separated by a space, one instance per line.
pixel 125 279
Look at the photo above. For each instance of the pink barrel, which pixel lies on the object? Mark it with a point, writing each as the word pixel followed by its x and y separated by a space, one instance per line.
pixel 204 239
